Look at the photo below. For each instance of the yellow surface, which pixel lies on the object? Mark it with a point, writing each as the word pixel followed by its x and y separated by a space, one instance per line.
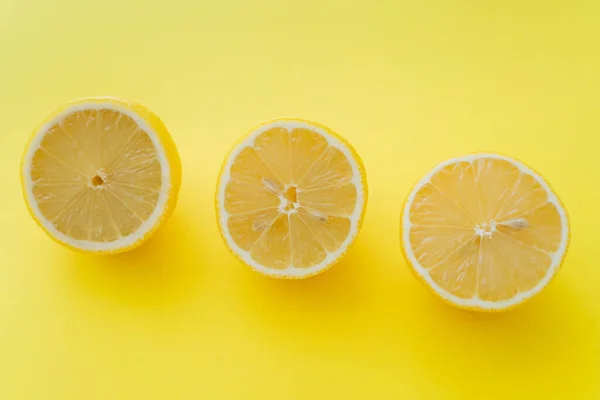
pixel 408 83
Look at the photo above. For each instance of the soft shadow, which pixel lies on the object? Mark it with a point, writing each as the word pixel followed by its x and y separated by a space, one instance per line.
pixel 552 336
pixel 312 306
pixel 162 271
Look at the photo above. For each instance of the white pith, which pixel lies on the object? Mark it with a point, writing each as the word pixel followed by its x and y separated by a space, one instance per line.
pixel 145 227
pixel 357 180
pixel 475 302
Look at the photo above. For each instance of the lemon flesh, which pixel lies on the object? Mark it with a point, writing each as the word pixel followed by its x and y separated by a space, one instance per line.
pixel 484 231
pixel 291 198
pixel 96 176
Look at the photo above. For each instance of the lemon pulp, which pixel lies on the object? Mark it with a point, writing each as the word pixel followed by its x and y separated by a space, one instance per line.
pixel 101 174
pixel 485 231
pixel 291 200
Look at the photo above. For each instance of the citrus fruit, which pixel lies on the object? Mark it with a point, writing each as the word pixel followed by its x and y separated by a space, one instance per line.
pixel 101 175
pixel 484 232
pixel 290 198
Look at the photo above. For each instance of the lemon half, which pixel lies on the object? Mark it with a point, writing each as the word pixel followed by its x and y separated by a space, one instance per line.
pixel 101 175
pixel 290 198
pixel 484 232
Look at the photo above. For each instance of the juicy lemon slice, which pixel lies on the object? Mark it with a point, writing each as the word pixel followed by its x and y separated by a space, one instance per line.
pixel 290 198
pixel 484 232
pixel 101 175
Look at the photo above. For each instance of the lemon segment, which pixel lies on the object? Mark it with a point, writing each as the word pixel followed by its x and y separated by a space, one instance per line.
pixel 101 175
pixel 290 198
pixel 484 232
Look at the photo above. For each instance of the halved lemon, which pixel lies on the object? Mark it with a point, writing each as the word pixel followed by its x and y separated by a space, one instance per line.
pixel 101 175
pixel 290 198
pixel 484 232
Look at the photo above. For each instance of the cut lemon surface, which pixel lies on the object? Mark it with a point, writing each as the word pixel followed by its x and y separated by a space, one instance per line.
pixel 291 198
pixel 101 175
pixel 484 232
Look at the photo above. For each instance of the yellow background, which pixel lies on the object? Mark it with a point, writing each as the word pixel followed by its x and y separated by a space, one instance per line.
pixel 408 83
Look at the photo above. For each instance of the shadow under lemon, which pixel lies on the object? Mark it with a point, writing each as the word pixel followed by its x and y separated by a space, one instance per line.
pixel 324 305
pixel 164 270
pixel 542 348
